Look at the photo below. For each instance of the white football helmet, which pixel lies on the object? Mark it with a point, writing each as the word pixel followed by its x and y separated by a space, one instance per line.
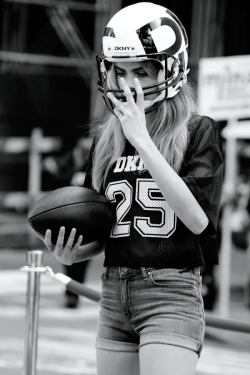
pixel 145 31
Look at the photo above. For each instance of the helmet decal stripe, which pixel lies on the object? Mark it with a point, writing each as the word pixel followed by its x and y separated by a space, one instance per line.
pixel 180 25
pixel 144 34
pixel 109 32
pixel 177 44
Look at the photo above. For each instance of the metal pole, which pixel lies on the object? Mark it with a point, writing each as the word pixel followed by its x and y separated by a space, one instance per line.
pixel 34 179
pixel 34 260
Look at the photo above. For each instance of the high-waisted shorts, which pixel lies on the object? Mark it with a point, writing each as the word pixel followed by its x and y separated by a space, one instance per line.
pixel 141 306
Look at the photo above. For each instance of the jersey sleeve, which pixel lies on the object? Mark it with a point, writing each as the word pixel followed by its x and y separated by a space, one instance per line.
pixel 203 170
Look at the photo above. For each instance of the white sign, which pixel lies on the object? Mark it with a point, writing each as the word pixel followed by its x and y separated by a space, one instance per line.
pixel 224 87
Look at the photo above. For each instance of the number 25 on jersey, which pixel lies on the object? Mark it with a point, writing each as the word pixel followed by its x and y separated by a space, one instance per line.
pixel 148 196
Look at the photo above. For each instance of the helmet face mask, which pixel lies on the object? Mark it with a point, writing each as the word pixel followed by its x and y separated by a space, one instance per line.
pixel 144 32
pixel 104 86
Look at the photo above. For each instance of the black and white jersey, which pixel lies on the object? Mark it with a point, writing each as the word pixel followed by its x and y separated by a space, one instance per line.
pixel 147 231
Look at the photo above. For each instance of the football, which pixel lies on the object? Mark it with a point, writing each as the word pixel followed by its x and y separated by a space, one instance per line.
pixel 73 207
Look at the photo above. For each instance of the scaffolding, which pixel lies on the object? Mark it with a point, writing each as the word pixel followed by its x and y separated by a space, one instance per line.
pixel 80 55
pixel 79 59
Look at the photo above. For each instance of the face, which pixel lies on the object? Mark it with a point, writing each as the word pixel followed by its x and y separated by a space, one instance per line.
pixel 131 70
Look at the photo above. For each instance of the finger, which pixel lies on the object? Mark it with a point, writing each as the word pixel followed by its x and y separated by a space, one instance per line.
pixel 47 240
pixel 127 91
pixel 116 102
pixel 71 238
pixel 78 242
pixel 60 240
pixel 118 113
pixel 139 93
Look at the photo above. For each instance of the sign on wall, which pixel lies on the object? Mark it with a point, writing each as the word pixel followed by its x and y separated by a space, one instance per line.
pixel 224 87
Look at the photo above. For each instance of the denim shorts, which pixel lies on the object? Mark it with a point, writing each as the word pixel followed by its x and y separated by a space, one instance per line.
pixel 141 306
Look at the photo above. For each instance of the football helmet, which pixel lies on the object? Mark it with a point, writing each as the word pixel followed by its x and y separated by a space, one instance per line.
pixel 139 32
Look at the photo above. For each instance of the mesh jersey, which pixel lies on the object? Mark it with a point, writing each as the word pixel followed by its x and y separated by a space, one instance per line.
pixel 147 232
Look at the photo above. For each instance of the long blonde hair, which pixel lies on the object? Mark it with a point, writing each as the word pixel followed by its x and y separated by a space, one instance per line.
pixel 168 130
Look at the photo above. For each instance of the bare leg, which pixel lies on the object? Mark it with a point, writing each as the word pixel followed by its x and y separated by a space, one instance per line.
pixel 162 359
pixel 117 363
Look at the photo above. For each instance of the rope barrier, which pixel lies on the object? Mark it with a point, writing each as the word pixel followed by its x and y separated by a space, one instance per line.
pixel 34 269
pixel 74 286
pixel 228 324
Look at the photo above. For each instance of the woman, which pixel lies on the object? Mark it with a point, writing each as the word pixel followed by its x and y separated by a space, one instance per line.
pixel 161 165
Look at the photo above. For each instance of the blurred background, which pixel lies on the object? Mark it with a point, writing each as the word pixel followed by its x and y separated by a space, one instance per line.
pixel 49 104
pixel 48 75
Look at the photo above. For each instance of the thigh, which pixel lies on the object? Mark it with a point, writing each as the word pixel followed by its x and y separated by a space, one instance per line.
pixel 169 310
pixel 117 363
pixel 114 323
pixel 162 359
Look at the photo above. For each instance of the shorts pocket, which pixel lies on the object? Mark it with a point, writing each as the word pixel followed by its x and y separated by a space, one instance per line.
pixel 172 278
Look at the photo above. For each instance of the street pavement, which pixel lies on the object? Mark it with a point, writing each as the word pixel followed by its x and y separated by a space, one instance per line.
pixel 66 341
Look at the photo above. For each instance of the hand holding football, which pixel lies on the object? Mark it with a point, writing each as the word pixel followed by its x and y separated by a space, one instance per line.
pixel 73 207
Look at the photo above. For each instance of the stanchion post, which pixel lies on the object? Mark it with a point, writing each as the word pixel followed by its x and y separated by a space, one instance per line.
pixel 34 260
pixel 34 178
